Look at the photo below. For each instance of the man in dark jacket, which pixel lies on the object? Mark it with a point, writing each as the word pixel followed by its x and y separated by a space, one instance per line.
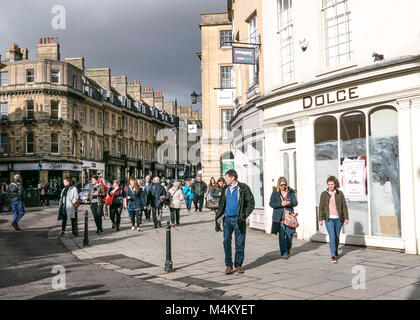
pixel 199 189
pixel 147 190
pixel 15 193
pixel 158 193
pixel 236 204
pixel 96 196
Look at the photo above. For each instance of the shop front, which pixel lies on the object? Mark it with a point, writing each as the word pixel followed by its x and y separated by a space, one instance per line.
pixel 158 169
pixel 92 168
pixel 360 128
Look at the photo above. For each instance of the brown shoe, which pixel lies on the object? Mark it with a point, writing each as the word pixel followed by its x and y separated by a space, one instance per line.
pixel 285 257
pixel 228 270
pixel 239 270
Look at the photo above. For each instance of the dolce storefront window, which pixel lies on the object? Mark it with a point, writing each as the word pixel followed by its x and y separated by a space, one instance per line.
pixel 373 199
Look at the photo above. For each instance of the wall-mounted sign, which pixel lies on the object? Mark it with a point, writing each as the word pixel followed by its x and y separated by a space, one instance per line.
pixel 225 97
pixel 330 98
pixel 192 128
pixel 243 55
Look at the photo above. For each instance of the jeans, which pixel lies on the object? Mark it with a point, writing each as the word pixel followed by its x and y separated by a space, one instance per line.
pixel 18 210
pixel 230 225
pixel 115 214
pixel 157 215
pixel 334 227
pixel 97 215
pixel 285 239
pixel 198 202
pixel 147 214
pixel 188 203
pixel 174 215
pixel 135 216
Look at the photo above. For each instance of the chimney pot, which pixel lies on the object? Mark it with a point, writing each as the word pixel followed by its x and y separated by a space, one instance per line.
pixel 44 40
pixel 56 38
pixel 40 40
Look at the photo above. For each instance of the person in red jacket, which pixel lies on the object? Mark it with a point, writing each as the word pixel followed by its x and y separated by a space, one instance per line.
pixel 104 212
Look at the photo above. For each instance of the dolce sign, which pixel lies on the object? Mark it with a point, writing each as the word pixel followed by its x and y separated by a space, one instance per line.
pixel 330 98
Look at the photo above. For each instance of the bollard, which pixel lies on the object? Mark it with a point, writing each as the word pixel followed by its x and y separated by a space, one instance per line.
pixel 76 223
pixel 86 236
pixel 168 264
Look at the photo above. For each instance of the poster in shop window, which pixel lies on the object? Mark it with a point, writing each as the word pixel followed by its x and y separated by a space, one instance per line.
pixel 353 180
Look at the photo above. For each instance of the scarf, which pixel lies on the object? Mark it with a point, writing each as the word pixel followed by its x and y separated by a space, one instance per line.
pixel 62 210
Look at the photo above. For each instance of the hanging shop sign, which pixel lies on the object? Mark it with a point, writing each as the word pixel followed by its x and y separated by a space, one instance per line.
pixel 330 98
pixel 243 55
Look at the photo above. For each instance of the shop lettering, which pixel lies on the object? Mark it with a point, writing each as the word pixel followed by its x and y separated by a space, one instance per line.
pixel 330 98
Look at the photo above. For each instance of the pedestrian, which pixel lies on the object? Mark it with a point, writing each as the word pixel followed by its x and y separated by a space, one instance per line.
pixel 45 199
pixel 16 196
pixel 168 184
pixel 135 203
pixel 333 210
pixel 188 195
pixel 283 198
pixel 236 204
pixel 66 210
pixel 104 206
pixel 199 189
pixel 147 189
pixel 176 196
pixel 158 195
pixel 116 206
pixel 96 196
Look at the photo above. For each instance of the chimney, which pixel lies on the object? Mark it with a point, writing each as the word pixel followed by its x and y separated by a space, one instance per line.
pixel 147 95
pixel 158 100
pixel 120 84
pixel 169 107
pixel 134 89
pixel 48 48
pixel 101 76
pixel 77 62
pixel 16 54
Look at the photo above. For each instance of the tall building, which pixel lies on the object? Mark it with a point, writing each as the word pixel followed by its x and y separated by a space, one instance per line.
pixel 59 119
pixel 218 85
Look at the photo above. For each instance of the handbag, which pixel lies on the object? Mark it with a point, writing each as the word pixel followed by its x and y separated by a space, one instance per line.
pixel 76 204
pixel 212 204
pixel 290 218
pixel 109 199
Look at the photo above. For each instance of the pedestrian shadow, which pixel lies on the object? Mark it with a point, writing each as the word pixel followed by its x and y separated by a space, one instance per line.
pixel 348 248
pixel 73 293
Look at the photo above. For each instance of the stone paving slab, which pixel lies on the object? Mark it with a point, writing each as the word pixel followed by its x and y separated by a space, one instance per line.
pixel 198 259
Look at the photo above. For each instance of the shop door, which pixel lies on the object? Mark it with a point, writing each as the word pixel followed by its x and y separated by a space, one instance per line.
pixel 288 160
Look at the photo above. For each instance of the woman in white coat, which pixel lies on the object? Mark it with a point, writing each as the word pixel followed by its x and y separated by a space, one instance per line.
pixel 69 196
pixel 176 196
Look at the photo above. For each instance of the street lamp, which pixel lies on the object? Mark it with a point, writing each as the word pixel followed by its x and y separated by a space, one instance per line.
pixel 195 97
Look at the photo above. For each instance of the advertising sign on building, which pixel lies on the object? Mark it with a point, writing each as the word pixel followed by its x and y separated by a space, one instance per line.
pixel 192 128
pixel 227 165
pixel 225 97
pixel 353 180
pixel 243 55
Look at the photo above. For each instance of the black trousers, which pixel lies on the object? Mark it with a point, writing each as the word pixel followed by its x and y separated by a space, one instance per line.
pixel 115 214
pixel 97 212
pixel 136 216
pixel 174 215
pixel 198 202
pixel 147 213
pixel 73 225
pixel 157 216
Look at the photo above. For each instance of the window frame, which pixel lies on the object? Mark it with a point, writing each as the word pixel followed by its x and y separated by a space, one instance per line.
pixel 4 116
pixel 4 83
pixel 225 80
pixel 225 132
pixel 55 143
pixel 285 27
pixel 27 76
pixel 52 103
pixel 57 74
pixel 27 111
pixel 27 143
pixel 2 135
pixel 224 37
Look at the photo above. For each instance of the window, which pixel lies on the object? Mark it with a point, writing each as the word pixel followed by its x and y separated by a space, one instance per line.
pixel 74 144
pixel 4 78
pixel 131 149
pixel 54 109
pixel 136 126
pixel 30 143
pixel 119 122
pixel 253 38
pixel 30 111
pixel 125 122
pixel 4 111
pixel 136 151
pixel 227 77
pixel 99 119
pixel 4 144
pixel 289 135
pixel 106 145
pixel 106 119
pixel 83 114
pixel 74 112
pixel 286 39
pixel 130 125
pixel 155 130
pixel 141 151
pixel 227 115
pixel 125 148
pixel 337 32
pixel 99 149
pixel 92 147
pixel 119 148
pixel 74 82
pixel 30 76
pixel 92 117
pixel 54 142
pixel 113 121
pixel 113 148
pixel 55 76
pixel 226 38
pixel 141 127
pixel 84 143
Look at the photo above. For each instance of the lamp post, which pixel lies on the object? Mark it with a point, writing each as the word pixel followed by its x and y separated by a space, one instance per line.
pixel 195 97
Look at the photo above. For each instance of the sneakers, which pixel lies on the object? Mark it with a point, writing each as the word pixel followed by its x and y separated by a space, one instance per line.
pixel 334 259
pixel 229 270
pixel 138 229
pixel 14 225
pixel 133 228
pixel 336 253
pixel 239 270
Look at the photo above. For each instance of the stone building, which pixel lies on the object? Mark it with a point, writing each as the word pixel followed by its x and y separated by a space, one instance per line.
pixel 59 119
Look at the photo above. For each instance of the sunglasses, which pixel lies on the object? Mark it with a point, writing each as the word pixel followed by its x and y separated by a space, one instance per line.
pixel 283 185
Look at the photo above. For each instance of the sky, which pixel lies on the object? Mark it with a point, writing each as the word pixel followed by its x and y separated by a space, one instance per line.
pixel 154 41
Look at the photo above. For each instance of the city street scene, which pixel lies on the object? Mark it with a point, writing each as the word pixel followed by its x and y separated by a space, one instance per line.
pixel 222 153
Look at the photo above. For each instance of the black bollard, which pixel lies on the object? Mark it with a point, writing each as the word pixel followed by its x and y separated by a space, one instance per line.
pixel 168 264
pixel 86 235
pixel 76 222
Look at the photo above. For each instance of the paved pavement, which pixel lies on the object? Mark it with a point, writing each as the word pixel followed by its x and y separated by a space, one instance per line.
pixel 198 258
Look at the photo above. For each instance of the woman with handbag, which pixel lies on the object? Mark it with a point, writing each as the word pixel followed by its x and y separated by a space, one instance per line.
pixel 135 203
pixel 283 200
pixel 115 201
pixel 176 196
pixel 188 195
pixel 69 202
pixel 333 209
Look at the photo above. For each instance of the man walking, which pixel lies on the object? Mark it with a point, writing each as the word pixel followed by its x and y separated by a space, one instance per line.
pixel 16 195
pixel 96 196
pixel 147 191
pixel 158 194
pixel 199 189
pixel 236 204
